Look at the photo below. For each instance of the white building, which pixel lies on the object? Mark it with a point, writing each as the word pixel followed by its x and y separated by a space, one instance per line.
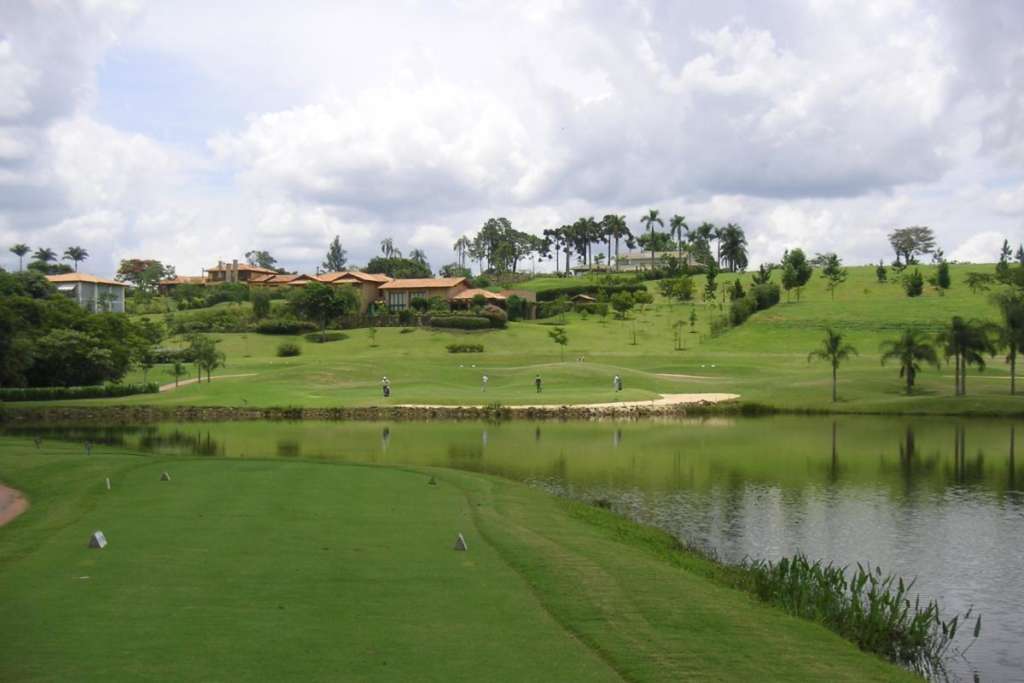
pixel 91 292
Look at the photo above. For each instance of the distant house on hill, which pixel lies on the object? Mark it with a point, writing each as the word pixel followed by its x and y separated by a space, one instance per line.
pixel 641 260
pixel 280 280
pixel 235 272
pixel 366 284
pixel 91 292
pixel 466 296
pixel 399 293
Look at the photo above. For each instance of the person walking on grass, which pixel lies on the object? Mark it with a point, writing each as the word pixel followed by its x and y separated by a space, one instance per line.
pixel 617 383
pixel 385 385
pixel 537 383
pixel 483 383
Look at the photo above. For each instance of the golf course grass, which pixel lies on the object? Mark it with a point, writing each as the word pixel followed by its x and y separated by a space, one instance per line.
pixel 262 569
pixel 764 361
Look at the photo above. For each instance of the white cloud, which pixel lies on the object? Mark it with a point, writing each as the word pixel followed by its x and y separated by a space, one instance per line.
pixel 983 247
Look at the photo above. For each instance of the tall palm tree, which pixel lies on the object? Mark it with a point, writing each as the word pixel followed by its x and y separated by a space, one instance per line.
pixel 419 256
pixel 461 246
pixel 44 255
pixel 966 341
pixel 76 254
pixel 910 349
pixel 649 220
pixel 387 247
pixel 1010 334
pixel 677 226
pixel 20 250
pixel 616 228
pixel 732 244
pixel 716 234
pixel 835 351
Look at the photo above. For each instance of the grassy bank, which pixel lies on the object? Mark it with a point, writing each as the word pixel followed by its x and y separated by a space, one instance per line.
pixel 272 569
pixel 764 360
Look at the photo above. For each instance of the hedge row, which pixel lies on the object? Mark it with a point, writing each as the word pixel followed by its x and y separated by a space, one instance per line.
pixel 461 322
pixel 465 348
pixel 57 393
pixel 592 290
pixel 285 326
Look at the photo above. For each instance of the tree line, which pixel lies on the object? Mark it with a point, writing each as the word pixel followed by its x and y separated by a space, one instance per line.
pixel 44 260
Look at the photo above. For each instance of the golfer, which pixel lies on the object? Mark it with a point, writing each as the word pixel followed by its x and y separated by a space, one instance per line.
pixel 385 385
pixel 483 383
pixel 537 383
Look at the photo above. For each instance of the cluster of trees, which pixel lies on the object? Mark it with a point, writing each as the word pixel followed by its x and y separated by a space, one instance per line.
pixel 144 275
pixel 499 248
pixel 48 340
pixel 965 342
pixel 45 261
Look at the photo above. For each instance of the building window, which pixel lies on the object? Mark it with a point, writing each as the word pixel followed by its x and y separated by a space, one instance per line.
pixel 396 301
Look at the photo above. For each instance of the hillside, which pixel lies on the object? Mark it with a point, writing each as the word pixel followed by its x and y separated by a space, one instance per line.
pixel 764 360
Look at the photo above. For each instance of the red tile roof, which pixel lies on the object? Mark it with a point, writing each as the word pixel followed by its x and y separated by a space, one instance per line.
pixel 425 283
pixel 354 275
pixel 83 277
pixel 470 294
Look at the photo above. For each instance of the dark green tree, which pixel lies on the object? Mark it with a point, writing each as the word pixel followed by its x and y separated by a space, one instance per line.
pixel 910 350
pixel 1010 332
pixel 967 342
pixel 835 351
pixel 76 255
pixel 796 271
pixel 322 303
pixel 559 336
pixel 336 257
pixel 834 273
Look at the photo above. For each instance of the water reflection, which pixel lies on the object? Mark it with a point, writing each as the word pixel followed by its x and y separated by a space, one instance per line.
pixel 935 499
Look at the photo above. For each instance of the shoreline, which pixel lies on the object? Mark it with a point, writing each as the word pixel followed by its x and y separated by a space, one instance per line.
pixel 12 504
pixel 634 410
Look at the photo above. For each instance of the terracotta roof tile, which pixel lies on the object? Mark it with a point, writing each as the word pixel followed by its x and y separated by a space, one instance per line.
pixel 84 277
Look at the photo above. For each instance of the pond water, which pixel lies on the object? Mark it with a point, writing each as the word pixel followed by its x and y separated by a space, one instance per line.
pixel 937 499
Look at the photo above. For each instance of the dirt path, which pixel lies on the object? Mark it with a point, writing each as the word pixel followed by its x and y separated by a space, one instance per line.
pixel 172 386
pixel 12 504
pixel 665 400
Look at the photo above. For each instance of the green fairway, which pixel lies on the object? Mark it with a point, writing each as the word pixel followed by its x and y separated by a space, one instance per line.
pixel 764 360
pixel 274 570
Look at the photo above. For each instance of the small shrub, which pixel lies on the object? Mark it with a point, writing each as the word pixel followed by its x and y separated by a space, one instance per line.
pixel 285 326
pixel 741 309
pixel 495 314
pixel 765 295
pixel 288 349
pixel 406 330
pixel 461 322
pixel 318 338
pixel 913 283
pixel 465 348
pixel 407 316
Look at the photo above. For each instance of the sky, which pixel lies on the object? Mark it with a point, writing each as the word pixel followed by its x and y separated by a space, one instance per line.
pixel 194 131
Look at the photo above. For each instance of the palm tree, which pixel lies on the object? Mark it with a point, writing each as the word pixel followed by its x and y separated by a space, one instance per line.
pixel 716 235
pixel 615 228
pixel 44 255
pixel 732 244
pixel 966 341
pixel 909 350
pixel 649 220
pixel 835 351
pixel 419 256
pixel 1010 335
pixel 677 226
pixel 20 250
pixel 76 254
pixel 461 246
pixel 387 248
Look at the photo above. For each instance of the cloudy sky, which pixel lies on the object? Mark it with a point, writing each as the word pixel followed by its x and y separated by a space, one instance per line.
pixel 192 131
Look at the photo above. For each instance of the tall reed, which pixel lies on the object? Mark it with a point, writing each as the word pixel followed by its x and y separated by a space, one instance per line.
pixel 863 605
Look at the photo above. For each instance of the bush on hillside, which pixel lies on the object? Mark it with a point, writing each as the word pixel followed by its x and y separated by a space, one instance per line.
pixel 495 314
pixel 766 295
pixel 285 326
pixel 317 338
pixel 913 283
pixel 288 349
pixel 227 319
pixel 518 308
pixel 601 291
pixel 461 322
pixel 465 348
pixel 60 393
pixel 741 309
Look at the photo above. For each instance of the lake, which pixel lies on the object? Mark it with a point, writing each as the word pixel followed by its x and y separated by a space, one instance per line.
pixel 937 499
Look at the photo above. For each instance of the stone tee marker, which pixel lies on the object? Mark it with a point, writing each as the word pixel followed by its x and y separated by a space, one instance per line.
pixel 98 540
pixel 165 477
pixel 460 543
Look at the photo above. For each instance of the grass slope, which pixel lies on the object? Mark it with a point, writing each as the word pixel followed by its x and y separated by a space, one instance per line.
pixel 764 360
pixel 273 570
